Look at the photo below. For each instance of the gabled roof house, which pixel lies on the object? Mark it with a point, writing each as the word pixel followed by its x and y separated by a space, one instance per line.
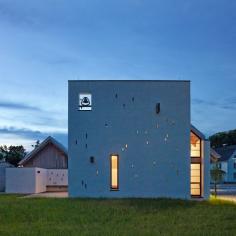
pixel 50 154
pixel 227 162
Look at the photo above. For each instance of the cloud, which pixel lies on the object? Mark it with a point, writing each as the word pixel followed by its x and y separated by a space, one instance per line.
pixel 49 56
pixel 231 100
pixel 197 101
pixel 22 132
pixel 37 15
pixel 18 106
pixel 226 104
pixel 30 135
pixel 15 14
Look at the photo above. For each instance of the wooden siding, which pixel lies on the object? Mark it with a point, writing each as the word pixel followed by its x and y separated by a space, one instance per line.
pixel 50 157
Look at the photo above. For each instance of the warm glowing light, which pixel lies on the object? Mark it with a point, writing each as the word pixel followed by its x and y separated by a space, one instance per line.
pixel 195 179
pixel 114 172
pixel 195 146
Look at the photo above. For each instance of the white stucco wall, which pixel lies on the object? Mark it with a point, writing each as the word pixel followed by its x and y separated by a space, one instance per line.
pixel 34 180
pixel 25 180
pixel 41 180
pixel 206 169
pixel 153 146
pixel 57 177
pixel 224 166
pixel 2 178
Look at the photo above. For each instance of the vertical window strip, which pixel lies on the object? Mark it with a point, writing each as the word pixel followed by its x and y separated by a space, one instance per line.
pixel 114 162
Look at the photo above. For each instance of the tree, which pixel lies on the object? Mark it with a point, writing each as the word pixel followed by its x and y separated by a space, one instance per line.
pixel 217 176
pixel 37 143
pixel 223 138
pixel 12 154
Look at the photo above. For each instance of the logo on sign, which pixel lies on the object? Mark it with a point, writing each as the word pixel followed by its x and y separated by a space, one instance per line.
pixel 85 102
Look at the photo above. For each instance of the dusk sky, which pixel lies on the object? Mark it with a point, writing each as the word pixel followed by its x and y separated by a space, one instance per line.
pixel 43 44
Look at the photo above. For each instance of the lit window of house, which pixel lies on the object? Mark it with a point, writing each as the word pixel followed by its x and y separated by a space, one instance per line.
pixel 195 165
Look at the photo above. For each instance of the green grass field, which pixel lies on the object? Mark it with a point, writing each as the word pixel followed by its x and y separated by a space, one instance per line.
pixel 41 216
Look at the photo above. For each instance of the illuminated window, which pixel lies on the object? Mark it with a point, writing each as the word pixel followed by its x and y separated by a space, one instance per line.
pixel 114 172
pixel 195 165
pixel 195 179
pixel 195 145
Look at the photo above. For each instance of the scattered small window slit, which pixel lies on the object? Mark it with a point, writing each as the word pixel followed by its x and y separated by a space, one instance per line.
pixel 158 108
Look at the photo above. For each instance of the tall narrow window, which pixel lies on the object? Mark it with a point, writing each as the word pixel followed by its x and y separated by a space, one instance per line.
pixel 195 165
pixel 114 172
pixel 196 179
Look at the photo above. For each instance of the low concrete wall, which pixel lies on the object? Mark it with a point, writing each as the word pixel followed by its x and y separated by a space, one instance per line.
pixel 3 166
pixel 2 179
pixel 57 177
pixel 34 180
pixel 25 180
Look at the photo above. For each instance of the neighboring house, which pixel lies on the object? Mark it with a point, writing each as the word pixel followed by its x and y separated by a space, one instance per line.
pixel 43 169
pixel 50 154
pixel 227 162
pixel 214 157
pixel 3 166
pixel 132 139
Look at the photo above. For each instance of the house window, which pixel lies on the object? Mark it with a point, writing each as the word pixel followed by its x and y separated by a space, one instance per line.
pixel 114 162
pixel 234 165
pixel 195 179
pixel 195 170
pixel 234 175
pixel 195 145
pixel 219 165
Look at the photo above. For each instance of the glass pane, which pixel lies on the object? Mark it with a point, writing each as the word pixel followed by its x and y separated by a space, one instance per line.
pixel 114 172
pixel 195 172
pixel 195 146
pixel 195 192
pixel 195 179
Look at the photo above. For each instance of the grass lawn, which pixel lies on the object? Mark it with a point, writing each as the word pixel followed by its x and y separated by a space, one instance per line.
pixel 41 216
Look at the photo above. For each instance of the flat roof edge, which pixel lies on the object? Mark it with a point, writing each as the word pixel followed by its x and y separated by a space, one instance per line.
pixel 129 81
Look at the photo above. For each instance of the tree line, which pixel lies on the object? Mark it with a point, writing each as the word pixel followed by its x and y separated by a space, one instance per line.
pixel 14 154
pixel 223 138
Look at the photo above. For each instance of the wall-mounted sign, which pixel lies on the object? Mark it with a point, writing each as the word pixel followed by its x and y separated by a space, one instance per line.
pixel 85 102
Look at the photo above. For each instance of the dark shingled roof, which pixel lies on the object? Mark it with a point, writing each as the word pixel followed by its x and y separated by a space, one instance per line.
pixel 226 152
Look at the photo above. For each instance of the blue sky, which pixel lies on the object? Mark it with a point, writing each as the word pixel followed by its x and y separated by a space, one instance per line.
pixel 45 43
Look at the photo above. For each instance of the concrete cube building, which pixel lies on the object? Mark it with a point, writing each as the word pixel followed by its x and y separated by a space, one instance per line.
pixel 134 139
